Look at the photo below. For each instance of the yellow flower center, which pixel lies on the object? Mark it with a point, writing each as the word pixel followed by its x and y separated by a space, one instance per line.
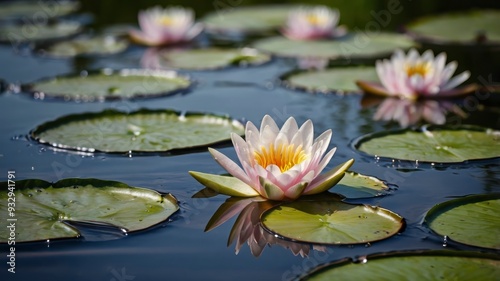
pixel 166 20
pixel 316 20
pixel 419 68
pixel 285 156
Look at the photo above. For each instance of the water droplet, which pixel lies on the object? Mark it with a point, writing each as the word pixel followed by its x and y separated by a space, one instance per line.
pixel 32 168
pixel 368 245
pixel 30 195
pixel 445 241
pixel 364 260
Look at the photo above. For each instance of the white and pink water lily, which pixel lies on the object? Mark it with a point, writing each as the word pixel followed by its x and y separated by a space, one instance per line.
pixel 165 26
pixel 277 164
pixel 310 23
pixel 413 76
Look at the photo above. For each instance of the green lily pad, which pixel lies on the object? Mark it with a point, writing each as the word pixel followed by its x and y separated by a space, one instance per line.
pixel 107 84
pixel 247 20
pixel 436 144
pixel 354 185
pixel 212 58
pixel 412 265
pixel 17 33
pixel 331 222
pixel 333 80
pixel 352 46
pixel 101 45
pixel 46 210
pixel 140 131
pixel 17 10
pixel 472 220
pixel 459 28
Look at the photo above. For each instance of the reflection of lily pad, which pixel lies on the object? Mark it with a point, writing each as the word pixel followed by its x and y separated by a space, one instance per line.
pixel 256 19
pixel 107 85
pixel 472 220
pixel 15 33
pixel 352 46
pixel 331 222
pixel 355 185
pixel 49 211
pixel 35 9
pixel 200 59
pixel 334 80
pixel 139 131
pixel 439 144
pixel 469 27
pixel 102 45
pixel 413 265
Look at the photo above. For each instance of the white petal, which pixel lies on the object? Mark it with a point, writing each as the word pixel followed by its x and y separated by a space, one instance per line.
pixel 457 80
pixel 230 166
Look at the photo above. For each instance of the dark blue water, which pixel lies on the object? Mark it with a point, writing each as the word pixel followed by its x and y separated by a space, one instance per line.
pixel 179 249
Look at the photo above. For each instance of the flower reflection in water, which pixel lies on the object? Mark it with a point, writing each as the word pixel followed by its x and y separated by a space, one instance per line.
pixel 247 227
pixel 407 112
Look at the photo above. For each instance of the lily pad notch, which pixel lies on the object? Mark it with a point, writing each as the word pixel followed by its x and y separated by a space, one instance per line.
pixel 46 211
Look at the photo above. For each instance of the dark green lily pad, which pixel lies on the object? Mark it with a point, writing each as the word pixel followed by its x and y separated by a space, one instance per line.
pixel 100 45
pixel 331 222
pixel 472 220
pixel 212 58
pixel 333 80
pixel 352 46
pixel 412 265
pixel 46 210
pixel 354 185
pixel 107 84
pixel 247 20
pixel 36 10
pixel 17 33
pixel 140 131
pixel 459 28
pixel 436 144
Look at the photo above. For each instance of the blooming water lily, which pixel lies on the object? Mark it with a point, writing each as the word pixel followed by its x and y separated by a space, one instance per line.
pixel 277 164
pixel 309 23
pixel 413 76
pixel 165 26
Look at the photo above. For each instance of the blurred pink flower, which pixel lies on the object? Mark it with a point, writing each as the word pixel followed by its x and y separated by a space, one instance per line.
pixel 413 76
pixel 160 26
pixel 309 23
pixel 277 164
pixel 408 112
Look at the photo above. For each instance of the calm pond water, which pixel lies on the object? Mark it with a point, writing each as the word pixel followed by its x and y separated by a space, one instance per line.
pixel 179 249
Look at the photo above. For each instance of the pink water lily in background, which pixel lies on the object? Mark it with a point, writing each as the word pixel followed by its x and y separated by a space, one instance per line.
pixel 165 26
pixel 413 76
pixel 277 164
pixel 309 23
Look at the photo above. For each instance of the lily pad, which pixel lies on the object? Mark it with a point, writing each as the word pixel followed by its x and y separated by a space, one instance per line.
pixel 18 33
pixel 247 20
pixel 17 10
pixel 471 220
pixel 470 27
pixel 114 131
pixel 435 144
pixel 412 265
pixel 212 58
pixel 46 210
pixel 354 185
pixel 107 84
pixel 352 46
pixel 331 222
pixel 334 80
pixel 101 45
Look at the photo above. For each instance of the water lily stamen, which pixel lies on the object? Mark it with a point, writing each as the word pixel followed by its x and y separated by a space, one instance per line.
pixel 285 156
